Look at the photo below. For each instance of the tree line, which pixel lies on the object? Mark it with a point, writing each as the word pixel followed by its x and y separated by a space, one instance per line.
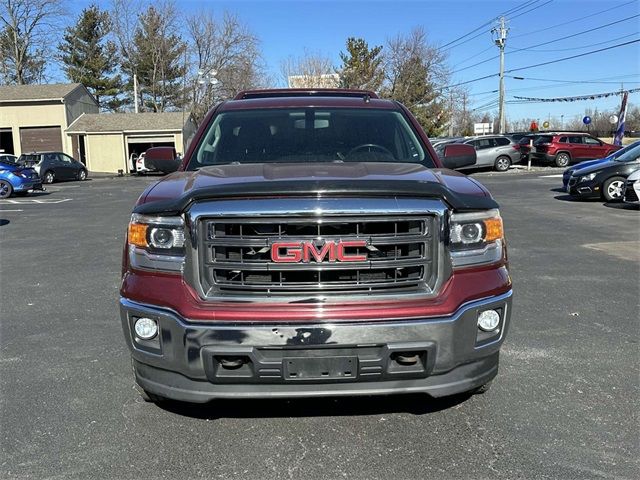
pixel 191 61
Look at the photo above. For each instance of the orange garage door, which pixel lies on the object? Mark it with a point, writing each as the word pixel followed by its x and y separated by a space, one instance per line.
pixel 40 139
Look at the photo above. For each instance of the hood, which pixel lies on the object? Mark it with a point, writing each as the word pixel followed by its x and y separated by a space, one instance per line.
pixel 287 179
pixel 595 168
pixel 589 163
pixel 10 167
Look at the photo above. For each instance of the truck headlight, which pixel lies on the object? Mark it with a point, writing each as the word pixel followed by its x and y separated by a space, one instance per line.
pixel 588 178
pixel 156 243
pixel 476 238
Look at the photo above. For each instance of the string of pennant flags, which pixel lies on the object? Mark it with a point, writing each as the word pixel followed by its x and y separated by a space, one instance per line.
pixel 576 99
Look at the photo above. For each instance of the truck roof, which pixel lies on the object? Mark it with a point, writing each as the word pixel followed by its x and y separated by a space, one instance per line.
pixel 295 98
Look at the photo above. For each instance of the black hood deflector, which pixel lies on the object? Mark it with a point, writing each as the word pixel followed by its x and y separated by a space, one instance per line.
pixel 321 188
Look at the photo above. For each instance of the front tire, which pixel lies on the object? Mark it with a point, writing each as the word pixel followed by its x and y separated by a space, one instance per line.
pixel 5 189
pixel 49 177
pixel 82 174
pixel 502 163
pixel 612 189
pixel 563 159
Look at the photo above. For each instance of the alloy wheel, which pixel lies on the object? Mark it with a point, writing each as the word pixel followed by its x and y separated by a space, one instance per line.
pixel 615 189
pixel 502 164
pixel 5 189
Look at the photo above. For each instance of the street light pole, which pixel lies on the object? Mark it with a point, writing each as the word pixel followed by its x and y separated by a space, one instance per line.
pixel 501 38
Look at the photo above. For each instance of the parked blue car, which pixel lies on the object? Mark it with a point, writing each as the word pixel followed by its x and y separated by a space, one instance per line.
pixel 589 163
pixel 16 178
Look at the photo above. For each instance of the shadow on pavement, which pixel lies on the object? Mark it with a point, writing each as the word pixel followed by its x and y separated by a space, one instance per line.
pixel 622 206
pixel 415 404
pixel 569 198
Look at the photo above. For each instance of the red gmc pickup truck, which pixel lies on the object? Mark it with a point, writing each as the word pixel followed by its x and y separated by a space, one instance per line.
pixel 312 244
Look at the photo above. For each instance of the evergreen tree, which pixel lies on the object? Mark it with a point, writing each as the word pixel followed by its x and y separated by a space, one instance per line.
pixel 361 66
pixel 90 59
pixel 158 61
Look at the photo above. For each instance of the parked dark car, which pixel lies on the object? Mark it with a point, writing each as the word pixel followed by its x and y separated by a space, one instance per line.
pixel 517 136
pixel 565 148
pixel 17 179
pixel 605 180
pixel 52 166
pixel 7 157
pixel 600 161
pixel 524 143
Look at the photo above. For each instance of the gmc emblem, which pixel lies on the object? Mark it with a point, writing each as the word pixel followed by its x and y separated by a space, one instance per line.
pixel 307 251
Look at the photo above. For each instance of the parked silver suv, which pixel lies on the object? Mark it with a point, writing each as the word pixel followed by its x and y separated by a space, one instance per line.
pixel 496 151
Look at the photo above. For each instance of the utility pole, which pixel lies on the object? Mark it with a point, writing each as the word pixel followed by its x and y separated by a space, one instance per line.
pixel 500 32
pixel 135 91
pixel 450 114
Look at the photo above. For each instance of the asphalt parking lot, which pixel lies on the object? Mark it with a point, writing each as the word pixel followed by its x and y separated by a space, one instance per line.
pixel 565 404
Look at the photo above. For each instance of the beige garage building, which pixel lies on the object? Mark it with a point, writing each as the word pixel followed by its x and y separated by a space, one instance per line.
pixel 35 117
pixel 107 141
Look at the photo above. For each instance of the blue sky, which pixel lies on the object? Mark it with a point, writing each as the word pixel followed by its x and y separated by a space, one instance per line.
pixel 291 27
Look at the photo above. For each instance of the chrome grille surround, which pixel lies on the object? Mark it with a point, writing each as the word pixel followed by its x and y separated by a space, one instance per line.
pixel 228 248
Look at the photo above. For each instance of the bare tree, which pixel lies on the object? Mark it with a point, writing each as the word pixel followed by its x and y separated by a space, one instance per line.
pixel 26 27
pixel 124 21
pixel 311 70
pixel 227 57
pixel 125 16
pixel 415 73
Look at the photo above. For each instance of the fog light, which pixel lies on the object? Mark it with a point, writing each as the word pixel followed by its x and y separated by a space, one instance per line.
pixel 488 320
pixel 146 328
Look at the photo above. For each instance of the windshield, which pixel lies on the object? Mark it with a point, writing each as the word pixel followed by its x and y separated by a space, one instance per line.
pixel 629 154
pixel 309 135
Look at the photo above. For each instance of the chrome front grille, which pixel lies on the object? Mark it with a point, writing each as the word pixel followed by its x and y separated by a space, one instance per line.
pixel 235 255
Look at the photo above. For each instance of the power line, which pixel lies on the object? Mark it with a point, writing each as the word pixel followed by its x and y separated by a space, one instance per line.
pixel 473 56
pixel 534 8
pixel 544 87
pixel 556 40
pixel 539 64
pixel 574 48
pixel 519 7
pixel 575 34
pixel 572 21
pixel 469 81
pixel 595 80
pixel 573 56
pixel 513 10
pixel 469 39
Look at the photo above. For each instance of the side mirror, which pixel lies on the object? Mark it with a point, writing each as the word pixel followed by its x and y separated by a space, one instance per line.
pixel 458 155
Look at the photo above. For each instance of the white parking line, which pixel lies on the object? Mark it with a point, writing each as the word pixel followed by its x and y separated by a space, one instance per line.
pixel 558 175
pixel 3 210
pixel 35 200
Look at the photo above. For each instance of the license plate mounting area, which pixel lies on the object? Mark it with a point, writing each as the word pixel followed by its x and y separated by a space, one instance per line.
pixel 320 368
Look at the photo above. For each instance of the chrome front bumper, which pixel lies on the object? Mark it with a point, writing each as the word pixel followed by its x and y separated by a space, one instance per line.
pixel 183 362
